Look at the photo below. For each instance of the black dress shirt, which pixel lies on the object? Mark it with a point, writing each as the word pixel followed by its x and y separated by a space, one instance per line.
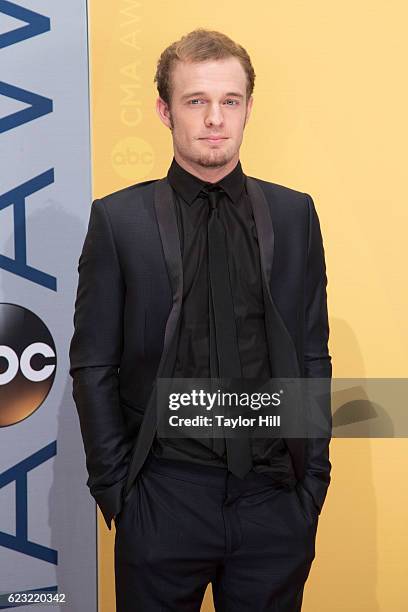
pixel 270 455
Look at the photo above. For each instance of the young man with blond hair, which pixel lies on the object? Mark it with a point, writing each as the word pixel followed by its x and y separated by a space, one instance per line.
pixel 206 273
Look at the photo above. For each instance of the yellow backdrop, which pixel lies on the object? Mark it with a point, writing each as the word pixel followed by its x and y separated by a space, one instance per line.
pixel 330 119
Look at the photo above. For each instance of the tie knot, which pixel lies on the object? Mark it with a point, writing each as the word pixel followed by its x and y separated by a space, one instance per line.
pixel 213 194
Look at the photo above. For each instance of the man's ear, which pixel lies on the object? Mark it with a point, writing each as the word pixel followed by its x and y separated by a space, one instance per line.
pixel 163 111
pixel 249 109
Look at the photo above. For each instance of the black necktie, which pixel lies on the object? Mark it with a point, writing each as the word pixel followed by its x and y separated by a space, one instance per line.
pixel 223 334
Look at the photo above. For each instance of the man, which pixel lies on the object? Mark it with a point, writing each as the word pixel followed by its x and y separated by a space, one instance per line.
pixel 205 273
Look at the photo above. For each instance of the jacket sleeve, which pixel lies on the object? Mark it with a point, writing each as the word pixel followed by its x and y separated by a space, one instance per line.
pixel 317 362
pixel 95 354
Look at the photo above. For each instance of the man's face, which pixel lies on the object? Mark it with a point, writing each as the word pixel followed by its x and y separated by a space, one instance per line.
pixel 208 112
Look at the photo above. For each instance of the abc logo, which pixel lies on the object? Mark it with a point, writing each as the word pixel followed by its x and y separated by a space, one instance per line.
pixel 27 363
pixel 132 158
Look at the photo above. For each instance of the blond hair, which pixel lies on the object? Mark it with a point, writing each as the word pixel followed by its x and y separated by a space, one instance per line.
pixel 200 45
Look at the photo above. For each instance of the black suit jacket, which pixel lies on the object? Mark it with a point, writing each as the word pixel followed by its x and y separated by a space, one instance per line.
pixel 127 313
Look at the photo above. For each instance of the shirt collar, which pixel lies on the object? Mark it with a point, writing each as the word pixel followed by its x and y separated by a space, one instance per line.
pixel 188 186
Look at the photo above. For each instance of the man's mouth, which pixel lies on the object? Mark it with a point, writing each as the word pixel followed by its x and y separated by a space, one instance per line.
pixel 214 138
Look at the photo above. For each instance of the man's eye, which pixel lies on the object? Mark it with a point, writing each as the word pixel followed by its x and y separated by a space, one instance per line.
pixel 234 102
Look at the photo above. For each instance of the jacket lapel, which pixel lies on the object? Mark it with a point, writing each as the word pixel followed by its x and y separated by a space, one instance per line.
pixel 281 346
pixel 169 236
pixel 264 226
pixel 284 361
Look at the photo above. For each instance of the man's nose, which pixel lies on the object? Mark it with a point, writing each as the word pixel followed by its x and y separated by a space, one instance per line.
pixel 214 115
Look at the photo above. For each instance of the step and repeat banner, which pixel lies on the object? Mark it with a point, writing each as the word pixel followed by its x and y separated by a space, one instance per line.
pixel 48 532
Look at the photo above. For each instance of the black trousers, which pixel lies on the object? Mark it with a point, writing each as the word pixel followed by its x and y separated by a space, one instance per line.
pixel 185 525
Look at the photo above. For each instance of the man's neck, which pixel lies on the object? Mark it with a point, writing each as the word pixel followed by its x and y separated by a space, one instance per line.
pixel 210 175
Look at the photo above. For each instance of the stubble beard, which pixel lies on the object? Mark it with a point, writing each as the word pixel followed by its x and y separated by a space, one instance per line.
pixel 213 158
pixel 216 159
